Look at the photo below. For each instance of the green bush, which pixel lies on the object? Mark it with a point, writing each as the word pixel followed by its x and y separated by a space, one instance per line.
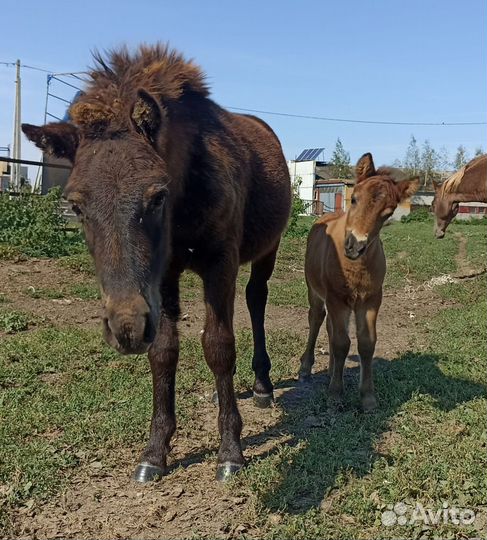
pixel 34 226
pixel 421 214
pixel 472 221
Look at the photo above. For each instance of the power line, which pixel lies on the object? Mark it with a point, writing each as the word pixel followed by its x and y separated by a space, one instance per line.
pixel 72 74
pixel 276 113
pixel 355 121
pixel 36 68
pixel 25 66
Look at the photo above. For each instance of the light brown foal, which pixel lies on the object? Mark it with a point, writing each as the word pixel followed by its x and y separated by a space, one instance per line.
pixel 345 268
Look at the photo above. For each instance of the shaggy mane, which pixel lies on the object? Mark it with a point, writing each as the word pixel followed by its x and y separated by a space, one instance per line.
pixel 453 184
pixel 118 75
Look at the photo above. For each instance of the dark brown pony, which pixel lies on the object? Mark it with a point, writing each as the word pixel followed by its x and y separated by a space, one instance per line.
pixel 165 180
pixel 345 268
pixel 468 184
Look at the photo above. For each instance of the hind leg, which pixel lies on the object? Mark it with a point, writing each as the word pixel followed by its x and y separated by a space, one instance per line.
pixel 316 314
pixel 256 294
pixel 339 315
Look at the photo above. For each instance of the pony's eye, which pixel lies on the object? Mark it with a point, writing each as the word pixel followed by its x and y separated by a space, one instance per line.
pixel 157 201
pixel 354 200
pixel 76 209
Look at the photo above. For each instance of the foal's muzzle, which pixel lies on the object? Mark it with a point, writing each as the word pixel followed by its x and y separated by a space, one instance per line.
pixel 128 324
pixel 354 248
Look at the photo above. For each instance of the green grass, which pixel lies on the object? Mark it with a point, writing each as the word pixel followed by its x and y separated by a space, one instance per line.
pixel 84 291
pixel 12 322
pixel 79 262
pixel 414 255
pixel 67 400
pixel 45 293
pixel 287 286
pixel 476 240
pixel 425 444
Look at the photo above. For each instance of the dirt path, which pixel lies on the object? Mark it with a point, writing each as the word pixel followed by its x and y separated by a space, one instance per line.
pixel 104 503
pixel 463 266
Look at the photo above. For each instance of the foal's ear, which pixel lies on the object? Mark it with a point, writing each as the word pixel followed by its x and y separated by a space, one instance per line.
pixel 59 139
pixel 147 115
pixel 408 187
pixel 365 167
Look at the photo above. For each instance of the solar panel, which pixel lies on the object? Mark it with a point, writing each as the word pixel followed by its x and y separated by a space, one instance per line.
pixel 300 157
pixel 316 153
pixel 309 154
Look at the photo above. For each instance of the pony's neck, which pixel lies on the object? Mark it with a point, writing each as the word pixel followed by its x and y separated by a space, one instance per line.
pixel 474 196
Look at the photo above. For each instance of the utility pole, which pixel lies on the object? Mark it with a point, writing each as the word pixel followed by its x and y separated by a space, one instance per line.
pixel 16 153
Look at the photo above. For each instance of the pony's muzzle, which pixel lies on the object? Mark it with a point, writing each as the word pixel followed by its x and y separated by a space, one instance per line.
pixel 128 325
pixel 354 248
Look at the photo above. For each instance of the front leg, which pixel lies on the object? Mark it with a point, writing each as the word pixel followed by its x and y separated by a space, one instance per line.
pixel 366 319
pixel 337 326
pixel 163 358
pixel 218 340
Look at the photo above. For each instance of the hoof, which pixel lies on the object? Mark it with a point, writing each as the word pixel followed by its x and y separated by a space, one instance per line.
pixel 369 404
pixel 146 472
pixel 225 471
pixel 335 405
pixel 214 398
pixel 304 378
pixel 263 401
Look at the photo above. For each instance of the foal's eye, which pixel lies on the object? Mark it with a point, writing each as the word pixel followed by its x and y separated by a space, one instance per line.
pixel 354 200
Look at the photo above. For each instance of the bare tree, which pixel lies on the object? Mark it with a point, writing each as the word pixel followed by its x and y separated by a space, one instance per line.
pixel 429 163
pixel 412 160
pixel 461 157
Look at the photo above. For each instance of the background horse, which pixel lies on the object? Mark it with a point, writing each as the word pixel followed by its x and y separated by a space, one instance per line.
pixel 164 179
pixel 469 184
pixel 345 268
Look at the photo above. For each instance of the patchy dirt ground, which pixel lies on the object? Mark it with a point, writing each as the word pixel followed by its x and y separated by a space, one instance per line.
pixel 102 502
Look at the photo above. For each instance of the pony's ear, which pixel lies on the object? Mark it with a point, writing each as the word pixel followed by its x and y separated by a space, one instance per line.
pixel 147 115
pixel 436 185
pixel 365 167
pixel 408 187
pixel 59 139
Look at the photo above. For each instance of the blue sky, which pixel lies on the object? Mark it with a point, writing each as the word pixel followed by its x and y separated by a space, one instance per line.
pixel 413 61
